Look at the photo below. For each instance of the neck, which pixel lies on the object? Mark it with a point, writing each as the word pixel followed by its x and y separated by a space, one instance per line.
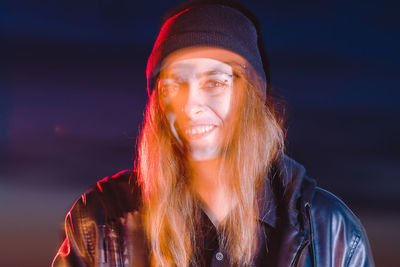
pixel 211 186
pixel 206 174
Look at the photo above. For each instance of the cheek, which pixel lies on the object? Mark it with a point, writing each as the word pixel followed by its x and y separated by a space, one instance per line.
pixel 171 108
pixel 221 105
pixel 171 118
pixel 167 108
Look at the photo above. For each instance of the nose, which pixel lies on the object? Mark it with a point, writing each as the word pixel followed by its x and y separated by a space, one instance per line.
pixel 193 106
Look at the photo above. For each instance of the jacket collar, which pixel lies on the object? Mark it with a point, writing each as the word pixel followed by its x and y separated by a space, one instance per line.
pixel 281 190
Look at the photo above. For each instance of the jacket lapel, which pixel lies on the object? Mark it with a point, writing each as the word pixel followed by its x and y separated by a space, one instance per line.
pixel 282 198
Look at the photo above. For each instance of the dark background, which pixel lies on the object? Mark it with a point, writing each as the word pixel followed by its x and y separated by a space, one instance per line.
pixel 72 83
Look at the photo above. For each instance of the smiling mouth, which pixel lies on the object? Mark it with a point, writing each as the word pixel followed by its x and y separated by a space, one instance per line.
pixel 200 131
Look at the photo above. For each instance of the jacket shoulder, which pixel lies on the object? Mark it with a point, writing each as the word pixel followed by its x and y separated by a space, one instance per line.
pixel 325 203
pixel 110 198
pixel 339 238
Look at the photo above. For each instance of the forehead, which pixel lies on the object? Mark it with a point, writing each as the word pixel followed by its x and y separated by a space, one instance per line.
pixel 195 67
pixel 198 56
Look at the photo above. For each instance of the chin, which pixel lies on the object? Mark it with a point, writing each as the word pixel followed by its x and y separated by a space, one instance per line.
pixel 204 154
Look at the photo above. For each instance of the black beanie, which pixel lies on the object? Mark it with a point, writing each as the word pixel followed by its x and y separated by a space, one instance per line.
pixel 207 23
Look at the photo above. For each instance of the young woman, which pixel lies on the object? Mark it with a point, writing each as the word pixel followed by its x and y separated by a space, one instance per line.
pixel 212 186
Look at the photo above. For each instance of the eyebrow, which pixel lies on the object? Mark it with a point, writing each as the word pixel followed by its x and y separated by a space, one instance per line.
pixel 206 73
pixel 213 72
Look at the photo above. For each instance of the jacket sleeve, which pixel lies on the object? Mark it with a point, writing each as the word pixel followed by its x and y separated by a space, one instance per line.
pixel 74 250
pixel 339 239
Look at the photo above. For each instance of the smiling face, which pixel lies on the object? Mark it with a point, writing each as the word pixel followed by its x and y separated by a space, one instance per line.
pixel 196 96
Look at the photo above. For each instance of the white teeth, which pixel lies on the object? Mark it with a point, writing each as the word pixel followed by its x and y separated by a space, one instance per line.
pixel 198 130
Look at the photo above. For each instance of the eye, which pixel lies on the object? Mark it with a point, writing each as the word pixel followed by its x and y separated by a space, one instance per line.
pixel 169 89
pixel 215 84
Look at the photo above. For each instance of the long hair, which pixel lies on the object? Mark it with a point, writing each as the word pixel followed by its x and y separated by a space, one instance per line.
pixel 170 207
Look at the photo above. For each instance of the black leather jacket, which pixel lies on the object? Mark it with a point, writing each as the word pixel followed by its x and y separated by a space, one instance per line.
pixel 305 225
